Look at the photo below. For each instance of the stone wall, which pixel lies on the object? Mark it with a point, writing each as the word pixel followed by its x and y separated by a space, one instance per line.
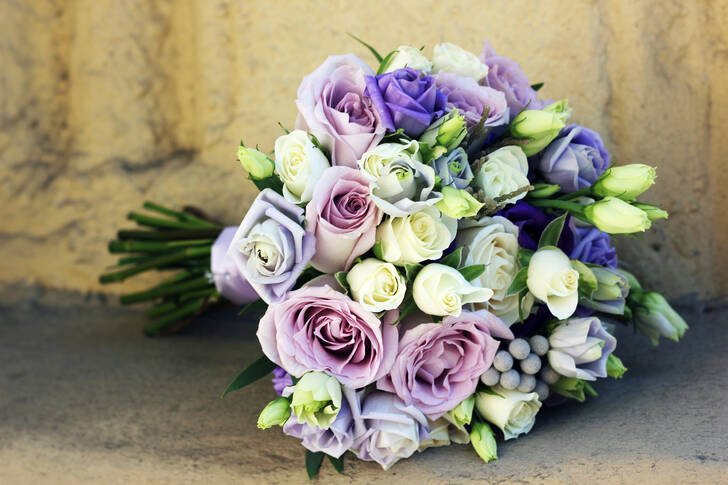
pixel 106 103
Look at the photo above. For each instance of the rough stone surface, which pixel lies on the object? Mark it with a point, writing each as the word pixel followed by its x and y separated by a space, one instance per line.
pixel 84 398
pixel 107 103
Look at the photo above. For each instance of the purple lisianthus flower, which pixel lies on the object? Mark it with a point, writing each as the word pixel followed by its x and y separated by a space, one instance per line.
pixel 594 246
pixel 229 281
pixel 271 248
pixel 332 105
pixel 471 99
pixel 506 76
pixel 575 159
pixel 438 364
pixel 454 169
pixel 580 348
pixel 339 437
pixel 318 328
pixel 281 380
pixel 531 222
pixel 391 430
pixel 406 99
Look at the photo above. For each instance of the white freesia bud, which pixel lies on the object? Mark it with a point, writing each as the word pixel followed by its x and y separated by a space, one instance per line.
pixel 416 237
pixel 299 165
pixel 453 58
pixel 493 242
pixel 377 285
pixel 505 171
pixel 514 412
pixel 441 290
pixel 552 280
pixel 408 56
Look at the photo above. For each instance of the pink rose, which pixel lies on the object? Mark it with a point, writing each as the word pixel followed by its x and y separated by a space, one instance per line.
pixel 438 365
pixel 317 328
pixel 343 218
pixel 332 105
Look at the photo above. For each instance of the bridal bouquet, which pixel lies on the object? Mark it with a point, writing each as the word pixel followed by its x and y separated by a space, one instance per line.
pixel 432 248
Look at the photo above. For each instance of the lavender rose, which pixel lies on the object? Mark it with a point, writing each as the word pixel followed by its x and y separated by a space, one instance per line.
pixel 438 364
pixel 465 94
pixel 318 328
pixel 343 217
pixel 271 248
pixel 454 169
pixel 391 430
pixel 406 99
pixel 575 159
pixel 594 246
pixel 332 105
pixel 228 280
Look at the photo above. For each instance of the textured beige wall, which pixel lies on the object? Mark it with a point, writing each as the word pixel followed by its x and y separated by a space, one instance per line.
pixel 105 103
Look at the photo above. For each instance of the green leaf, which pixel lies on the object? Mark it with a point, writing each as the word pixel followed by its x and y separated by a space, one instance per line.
pixel 521 296
pixel 588 282
pixel 411 271
pixel 536 86
pixel 453 259
pixel 337 462
pixel 519 283
pixel 550 236
pixel 318 145
pixel 313 462
pixel 524 256
pixel 257 306
pixel 272 182
pixel 371 49
pixel 377 250
pixel 385 62
pixel 307 275
pixel 473 271
pixel 341 278
pixel 397 137
pixel 407 308
pixel 255 371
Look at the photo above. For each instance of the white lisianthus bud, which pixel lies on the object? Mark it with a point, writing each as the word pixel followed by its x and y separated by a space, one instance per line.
pixel 299 165
pixel 505 171
pixel 453 58
pixel 483 441
pixel 625 181
pixel 275 413
pixel 377 285
pixel 316 399
pixel 552 280
pixel 416 237
pixel 615 216
pixel 408 56
pixel 441 290
pixel 513 412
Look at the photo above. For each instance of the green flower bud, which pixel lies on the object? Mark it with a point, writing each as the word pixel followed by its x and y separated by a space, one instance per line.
pixel 654 316
pixel 463 412
pixel 483 441
pixel 615 367
pixel 610 284
pixel 573 388
pixel 542 191
pixel 540 127
pixel 615 216
pixel 256 163
pixel 654 213
pixel 625 182
pixel 275 413
pixel 444 135
pixel 458 203
pixel 631 279
pixel 316 399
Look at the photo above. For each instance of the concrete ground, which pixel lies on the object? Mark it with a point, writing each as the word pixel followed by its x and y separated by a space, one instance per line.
pixel 85 398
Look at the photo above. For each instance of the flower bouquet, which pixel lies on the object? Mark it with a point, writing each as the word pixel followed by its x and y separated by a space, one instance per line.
pixel 431 245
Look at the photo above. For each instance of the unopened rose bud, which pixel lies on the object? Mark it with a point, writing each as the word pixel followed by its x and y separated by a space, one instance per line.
pixel 615 216
pixel 458 203
pixel 483 441
pixel 275 413
pixel 256 163
pixel 625 182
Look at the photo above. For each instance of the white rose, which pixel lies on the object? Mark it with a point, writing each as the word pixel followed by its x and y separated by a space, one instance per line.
pixel 505 171
pixel 453 58
pixel 493 242
pixel 408 56
pixel 377 285
pixel 514 413
pixel 552 280
pixel 441 290
pixel 299 165
pixel 416 237
pixel 401 183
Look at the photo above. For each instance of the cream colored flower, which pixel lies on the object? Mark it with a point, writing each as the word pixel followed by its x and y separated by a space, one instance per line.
pixel 552 280
pixel 377 285
pixel 416 237
pixel 505 171
pixel 441 290
pixel 299 165
pixel 453 58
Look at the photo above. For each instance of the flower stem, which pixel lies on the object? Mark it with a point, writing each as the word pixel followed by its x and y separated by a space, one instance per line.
pixel 571 207
pixel 192 307
pixel 149 221
pixel 153 246
pixel 161 308
pixel 166 290
pixel 157 262
pixel 181 216
pixel 578 193
pixel 168 235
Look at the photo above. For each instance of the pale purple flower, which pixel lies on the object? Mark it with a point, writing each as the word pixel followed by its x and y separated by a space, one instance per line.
pixel 580 348
pixel 318 328
pixel 333 106
pixel 454 169
pixel 438 364
pixel 406 99
pixel 271 248
pixel 281 380
pixel 471 99
pixel 229 281
pixel 343 217
pixel 594 246
pixel 575 159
